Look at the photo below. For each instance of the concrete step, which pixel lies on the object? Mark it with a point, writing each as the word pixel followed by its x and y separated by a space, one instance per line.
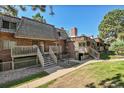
pixel 48 61
pixel 50 64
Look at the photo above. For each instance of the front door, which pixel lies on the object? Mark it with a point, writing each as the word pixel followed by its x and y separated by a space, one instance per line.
pixel 34 42
pixel 42 46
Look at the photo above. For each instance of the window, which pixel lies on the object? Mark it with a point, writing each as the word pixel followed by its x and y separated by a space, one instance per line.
pixel 12 25
pixel 9 25
pixel 82 44
pixel 88 43
pixel 7 44
pixel 5 24
pixel 59 33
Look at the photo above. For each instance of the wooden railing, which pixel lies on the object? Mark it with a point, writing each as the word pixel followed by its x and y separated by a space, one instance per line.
pixel 40 56
pixel 20 51
pixel 83 49
pixel 94 53
pixel 52 55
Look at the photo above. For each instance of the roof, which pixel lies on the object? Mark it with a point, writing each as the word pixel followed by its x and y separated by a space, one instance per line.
pixel 31 29
pixel 99 40
pixel 63 33
pixel 9 18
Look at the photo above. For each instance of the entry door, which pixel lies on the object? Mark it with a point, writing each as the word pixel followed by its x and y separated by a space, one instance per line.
pixel 42 46
pixel 34 42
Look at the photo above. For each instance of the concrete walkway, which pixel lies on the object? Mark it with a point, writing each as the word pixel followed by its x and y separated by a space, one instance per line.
pixel 109 60
pixel 57 72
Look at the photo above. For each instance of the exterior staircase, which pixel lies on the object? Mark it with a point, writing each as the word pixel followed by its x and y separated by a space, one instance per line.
pixel 94 53
pixel 48 61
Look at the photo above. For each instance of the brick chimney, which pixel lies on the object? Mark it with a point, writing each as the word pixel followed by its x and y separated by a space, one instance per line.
pixel 74 32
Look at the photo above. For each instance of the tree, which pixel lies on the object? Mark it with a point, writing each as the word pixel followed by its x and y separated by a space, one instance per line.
pixel 38 17
pixel 42 8
pixel 13 9
pixel 112 24
pixel 117 46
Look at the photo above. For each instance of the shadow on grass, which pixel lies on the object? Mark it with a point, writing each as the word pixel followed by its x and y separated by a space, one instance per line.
pixel 106 55
pixel 114 82
pixel 26 79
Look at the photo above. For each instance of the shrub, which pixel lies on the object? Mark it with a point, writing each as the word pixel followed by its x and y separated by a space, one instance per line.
pixel 117 46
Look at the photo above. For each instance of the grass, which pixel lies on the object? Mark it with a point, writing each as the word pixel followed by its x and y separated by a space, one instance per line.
pixel 47 84
pixel 26 79
pixel 102 74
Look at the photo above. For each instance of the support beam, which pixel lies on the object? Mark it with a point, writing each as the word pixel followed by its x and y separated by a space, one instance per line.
pixel 12 63
pixel 36 60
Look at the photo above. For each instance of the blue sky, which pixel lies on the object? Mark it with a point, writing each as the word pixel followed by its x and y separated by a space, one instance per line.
pixel 85 18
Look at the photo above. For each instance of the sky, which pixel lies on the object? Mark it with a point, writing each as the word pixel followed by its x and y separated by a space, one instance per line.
pixel 85 18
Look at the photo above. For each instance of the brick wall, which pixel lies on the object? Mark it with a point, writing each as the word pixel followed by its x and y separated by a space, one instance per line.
pixel 71 49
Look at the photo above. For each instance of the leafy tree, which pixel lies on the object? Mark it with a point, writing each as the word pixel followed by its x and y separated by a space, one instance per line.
pixel 13 9
pixel 42 8
pixel 117 46
pixel 38 17
pixel 111 25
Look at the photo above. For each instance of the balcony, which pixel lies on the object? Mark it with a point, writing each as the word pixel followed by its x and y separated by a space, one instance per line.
pixel 21 51
pixel 83 50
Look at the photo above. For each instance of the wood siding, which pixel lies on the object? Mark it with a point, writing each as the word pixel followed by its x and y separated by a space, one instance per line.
pixel 28 42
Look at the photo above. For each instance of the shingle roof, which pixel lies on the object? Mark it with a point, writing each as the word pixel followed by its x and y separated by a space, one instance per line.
pixel 9 18
pixel 32 29
pixel 63 33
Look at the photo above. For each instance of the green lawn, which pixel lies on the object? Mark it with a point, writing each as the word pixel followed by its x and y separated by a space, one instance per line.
pixel 29 78
pixel 102 74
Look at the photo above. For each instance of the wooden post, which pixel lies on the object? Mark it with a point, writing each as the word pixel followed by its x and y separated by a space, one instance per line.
pixel 2 66
pixel 12 63
pixel 12 60
pixel 36 60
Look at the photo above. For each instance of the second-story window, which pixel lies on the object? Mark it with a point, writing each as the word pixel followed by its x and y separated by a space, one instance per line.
pixel 8 25
pixel 88 43
pixel 12 25
pixel 5 24
pixel 59 34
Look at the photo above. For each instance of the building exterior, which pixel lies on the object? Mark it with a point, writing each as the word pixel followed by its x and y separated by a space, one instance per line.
pixel 26 42
pixel 100 44
pixel 19 35
pixel 81 47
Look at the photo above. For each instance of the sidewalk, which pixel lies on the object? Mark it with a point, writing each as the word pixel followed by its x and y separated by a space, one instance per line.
pixel 58 73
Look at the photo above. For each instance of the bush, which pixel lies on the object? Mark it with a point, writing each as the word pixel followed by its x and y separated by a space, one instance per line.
pixel 117 46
